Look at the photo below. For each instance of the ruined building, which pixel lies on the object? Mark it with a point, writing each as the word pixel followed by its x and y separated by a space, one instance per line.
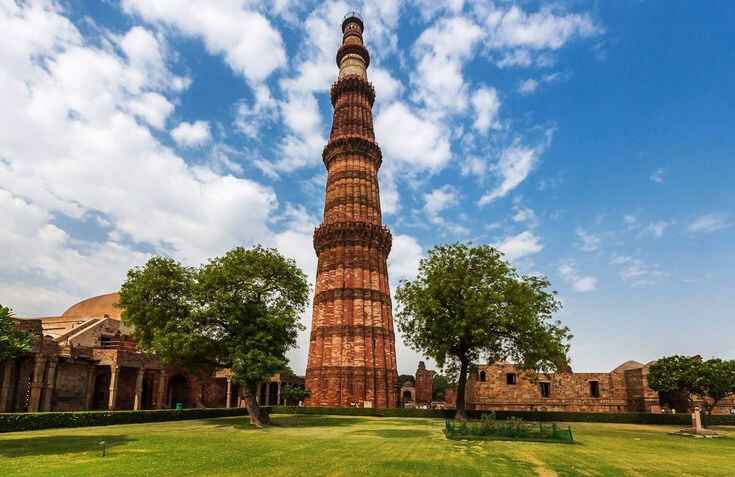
pixel 352 357
pixel 84 360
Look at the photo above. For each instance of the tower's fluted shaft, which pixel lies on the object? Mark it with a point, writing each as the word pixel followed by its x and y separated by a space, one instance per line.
pixel 352 357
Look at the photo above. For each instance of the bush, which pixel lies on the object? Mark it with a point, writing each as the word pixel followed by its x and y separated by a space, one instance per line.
pixel 47 420
pixel 538 416
pixel 514 428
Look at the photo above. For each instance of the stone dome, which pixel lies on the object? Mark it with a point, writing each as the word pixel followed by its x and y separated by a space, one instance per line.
pixel 95 307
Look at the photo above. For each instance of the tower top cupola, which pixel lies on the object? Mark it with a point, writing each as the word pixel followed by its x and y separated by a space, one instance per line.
pixel 352 57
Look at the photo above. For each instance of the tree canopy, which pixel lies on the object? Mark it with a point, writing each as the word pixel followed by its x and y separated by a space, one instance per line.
pixel 468 304
pixel 238 311
pixel 13 342
pixel 712 379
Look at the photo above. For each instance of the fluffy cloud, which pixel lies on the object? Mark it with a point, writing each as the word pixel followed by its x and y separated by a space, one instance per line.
pixel 194 134
pixel 581 284
pixel 708 223
pixel 437 201
pixel 441 52
pixel 407 137
pixel 635 271
pixel 231 29
pixel 528 86
pixel 486 104
pixel 403 261
pixel 73 148
pixel 520 245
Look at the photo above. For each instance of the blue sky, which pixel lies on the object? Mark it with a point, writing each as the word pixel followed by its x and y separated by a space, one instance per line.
pixel 593 142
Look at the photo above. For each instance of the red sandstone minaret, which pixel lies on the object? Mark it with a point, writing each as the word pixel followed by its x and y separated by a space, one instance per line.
pixel 352 353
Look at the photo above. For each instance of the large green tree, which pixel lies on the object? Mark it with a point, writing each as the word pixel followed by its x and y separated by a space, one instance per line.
pixel 468 304
pixel 712 379
pixel 238 311
pixel 13 342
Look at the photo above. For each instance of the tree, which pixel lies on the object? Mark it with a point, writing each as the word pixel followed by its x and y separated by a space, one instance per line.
pixel 467 303
pixel 238 311
pixel 712 380
pixel 404 379
pixel 440 384
pixel 294 394
pixel 13 342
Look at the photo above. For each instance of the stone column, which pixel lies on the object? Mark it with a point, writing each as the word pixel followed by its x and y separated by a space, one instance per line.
pixel 267 393
pixel 114 375
pixel 50 385
pixel 229 392
pixel 162 389
pixel 138 389
pixel 7 387
pixel 278 395
pixel 37 383
pixel 89 391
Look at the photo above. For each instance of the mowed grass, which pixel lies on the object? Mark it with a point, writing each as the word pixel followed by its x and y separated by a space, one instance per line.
pixel 354 446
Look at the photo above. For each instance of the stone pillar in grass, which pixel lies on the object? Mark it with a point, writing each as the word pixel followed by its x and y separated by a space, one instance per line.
pixel 138 389
pixel 114 375
pixel 229 392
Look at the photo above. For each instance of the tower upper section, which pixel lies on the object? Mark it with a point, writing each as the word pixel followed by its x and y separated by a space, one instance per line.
pixel 352 57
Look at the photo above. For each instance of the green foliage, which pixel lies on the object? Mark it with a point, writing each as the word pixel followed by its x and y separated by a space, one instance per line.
pixel 468 304
pixel 544 416
pixel 691 375
pixel 238 311
pixel 13 342
pixel 440 384
pixel 49 420
pixel 294 394
pixel 513 428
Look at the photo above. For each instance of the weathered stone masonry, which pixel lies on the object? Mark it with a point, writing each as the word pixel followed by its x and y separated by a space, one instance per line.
pixel 352 357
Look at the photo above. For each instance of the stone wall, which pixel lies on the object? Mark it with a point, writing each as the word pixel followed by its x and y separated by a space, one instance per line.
pixel 424 386
pixel 72 380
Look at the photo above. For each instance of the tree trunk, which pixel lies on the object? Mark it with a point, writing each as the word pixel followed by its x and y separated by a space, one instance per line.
pixel 258 418
pixel 461 385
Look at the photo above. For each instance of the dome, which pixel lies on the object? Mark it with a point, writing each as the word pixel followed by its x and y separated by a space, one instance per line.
pixel 95 307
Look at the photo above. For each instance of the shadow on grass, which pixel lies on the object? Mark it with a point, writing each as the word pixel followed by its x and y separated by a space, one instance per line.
pixel 49 445
pixel 287 421
pixel 395 433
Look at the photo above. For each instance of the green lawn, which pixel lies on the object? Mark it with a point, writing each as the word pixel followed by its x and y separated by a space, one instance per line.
pixel 353 446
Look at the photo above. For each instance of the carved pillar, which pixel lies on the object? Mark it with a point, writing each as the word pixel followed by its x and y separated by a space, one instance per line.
pixel 89 391
pixel 162 390
pixel 114 375
pixel 50 385
pixel 5 391
pixel 229 392
pixel 37 383
pixel 138 389
pixel 278 394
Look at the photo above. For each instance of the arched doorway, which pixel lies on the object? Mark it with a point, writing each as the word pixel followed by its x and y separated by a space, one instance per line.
pixel 407 396
pixel 101 395
pixel 178 391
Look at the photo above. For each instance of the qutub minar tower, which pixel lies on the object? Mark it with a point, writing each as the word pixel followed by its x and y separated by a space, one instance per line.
pixel 352 353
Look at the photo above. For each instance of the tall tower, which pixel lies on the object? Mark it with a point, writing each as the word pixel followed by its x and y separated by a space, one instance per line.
pixel 352 353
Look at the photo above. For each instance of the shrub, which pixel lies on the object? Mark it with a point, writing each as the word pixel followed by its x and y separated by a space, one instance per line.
pixel 488 427
pixel 46 420
pixel 538 416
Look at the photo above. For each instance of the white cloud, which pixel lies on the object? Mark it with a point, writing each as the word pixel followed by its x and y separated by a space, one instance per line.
pixel 229 28
pixel 415 141
pixel 515 163
pixel 250 118
pixel 656 229
pixel 708 223
pixel 403 261
pixel 581 284
pixel 588 242
pixel 71 146
pixel 486 104
pixel 437 201
pixel 528 86
pixel 525 215
pixel 657 176
pixel 194 134
pixel 153 108
pixel 441 51
pixel 520 245
pixel 387 88
pixel 635 271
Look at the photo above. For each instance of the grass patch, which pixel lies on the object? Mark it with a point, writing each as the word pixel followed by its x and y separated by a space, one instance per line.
pixel 353 446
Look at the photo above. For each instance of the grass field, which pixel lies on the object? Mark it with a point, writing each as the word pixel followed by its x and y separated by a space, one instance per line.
pixel 353 446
